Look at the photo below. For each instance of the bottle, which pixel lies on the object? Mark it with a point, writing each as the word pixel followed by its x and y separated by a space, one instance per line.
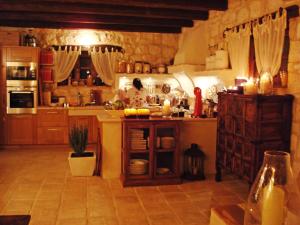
pixel 89 80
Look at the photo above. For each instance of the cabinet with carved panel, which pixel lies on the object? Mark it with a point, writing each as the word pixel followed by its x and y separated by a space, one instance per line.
pixel 248 125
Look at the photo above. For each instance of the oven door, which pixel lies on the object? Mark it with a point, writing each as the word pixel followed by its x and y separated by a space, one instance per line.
pixel 21 101
pixel 21 71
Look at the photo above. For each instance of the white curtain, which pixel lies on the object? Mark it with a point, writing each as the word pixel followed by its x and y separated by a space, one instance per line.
pixel 65 60
pixel 238 40
pixel 268 42
pixel 105 64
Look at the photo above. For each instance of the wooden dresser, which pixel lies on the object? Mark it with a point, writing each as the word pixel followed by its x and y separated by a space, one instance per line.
pixel 248 125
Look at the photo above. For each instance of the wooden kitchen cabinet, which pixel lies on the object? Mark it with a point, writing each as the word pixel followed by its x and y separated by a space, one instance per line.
pixel 52 126
pixel 22 54
pixel 85 121
pixel 21 129
pixel 142 140
pixel 248 125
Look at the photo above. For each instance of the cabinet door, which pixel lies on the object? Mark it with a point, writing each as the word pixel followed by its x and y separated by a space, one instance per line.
pixel 83 121
pixel 52 135
pixel 166 150
pixel 137 154
pixel 21 129
pixel 22 54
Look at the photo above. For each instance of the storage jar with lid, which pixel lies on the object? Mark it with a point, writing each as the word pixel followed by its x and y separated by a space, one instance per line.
pixel 146 68
pixel 138 67
pixel 129 67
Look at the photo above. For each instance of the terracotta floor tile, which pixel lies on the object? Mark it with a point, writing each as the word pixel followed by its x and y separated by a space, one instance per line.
pixel 72 222
pixel 101 211
pixel 68 213
pixel 18 207
pixel 103 221
pixel 31 183
pixel 164 219
pixel 170 188
pixel 176 197
pixel 156 208
pixel 47 204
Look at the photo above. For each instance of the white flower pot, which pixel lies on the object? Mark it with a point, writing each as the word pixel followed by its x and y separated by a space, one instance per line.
pixel 82 166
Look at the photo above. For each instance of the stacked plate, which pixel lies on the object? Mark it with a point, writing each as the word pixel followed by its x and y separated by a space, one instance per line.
pixel 138 166
pixel 167 142
pixel 137 139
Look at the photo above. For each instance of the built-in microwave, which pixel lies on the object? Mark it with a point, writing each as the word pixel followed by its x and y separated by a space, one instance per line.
pixel 21 99
pixel 21 71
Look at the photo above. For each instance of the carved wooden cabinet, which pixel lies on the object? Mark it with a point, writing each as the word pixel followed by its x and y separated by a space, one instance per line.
pixel 248 125
pixel 149 140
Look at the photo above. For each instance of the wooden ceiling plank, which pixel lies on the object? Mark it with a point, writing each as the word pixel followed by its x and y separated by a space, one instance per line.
pixel 166 4
pixel 89 18
pixel 47 7
pixel 113 27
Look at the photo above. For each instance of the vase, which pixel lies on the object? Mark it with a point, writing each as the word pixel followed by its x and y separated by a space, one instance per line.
pixel 265 83
pixel 274 195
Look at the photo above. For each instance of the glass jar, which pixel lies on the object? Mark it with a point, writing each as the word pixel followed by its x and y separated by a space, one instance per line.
pixel 274 196
pixel 138 67
pixel 265 85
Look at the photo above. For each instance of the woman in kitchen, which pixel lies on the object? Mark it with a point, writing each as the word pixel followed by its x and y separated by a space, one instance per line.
pixel 137 95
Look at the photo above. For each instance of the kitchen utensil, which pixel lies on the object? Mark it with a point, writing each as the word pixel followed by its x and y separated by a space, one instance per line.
pixel 166 88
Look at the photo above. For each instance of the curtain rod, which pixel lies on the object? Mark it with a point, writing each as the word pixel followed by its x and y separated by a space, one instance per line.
pixel 87 48
pixel 291 11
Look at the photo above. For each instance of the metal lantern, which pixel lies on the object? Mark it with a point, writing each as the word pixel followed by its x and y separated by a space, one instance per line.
pixel 194 163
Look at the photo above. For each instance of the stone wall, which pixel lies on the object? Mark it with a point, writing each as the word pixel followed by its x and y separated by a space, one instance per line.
pixel 154 48
pixel 240 11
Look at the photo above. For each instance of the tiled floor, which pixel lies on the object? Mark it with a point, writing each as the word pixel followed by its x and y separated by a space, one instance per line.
pixel 38 182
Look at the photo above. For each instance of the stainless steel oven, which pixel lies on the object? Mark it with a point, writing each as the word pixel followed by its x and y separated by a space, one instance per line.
pixel 21 97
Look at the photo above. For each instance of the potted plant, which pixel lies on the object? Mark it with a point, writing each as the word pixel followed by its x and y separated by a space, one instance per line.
pixel 81 163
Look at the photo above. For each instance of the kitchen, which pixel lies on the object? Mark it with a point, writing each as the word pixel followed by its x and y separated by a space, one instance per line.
pixel 46 131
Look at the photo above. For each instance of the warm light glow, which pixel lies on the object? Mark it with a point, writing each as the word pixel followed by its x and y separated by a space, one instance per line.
pixel 87 38
pixel 207 82
pixel 123 83
pixel 186 83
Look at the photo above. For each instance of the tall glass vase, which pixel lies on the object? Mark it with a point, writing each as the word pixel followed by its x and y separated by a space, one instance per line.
pixel 274 197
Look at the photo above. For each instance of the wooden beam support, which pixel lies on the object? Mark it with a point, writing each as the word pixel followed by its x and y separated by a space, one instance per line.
pixel 65 25
pixel 96 19
pixel 165 4
pixel 83 8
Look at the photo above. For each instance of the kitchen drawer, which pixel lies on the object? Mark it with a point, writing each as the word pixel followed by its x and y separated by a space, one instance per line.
pixel 52 118
pixel 52 135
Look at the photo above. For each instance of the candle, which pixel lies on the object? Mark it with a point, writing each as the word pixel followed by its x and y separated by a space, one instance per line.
pixel 273 205
pixel 250 87
pixel 166 110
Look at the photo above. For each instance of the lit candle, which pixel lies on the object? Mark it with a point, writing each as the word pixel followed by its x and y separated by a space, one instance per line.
pixel 250 87
pixel 166 110
pixel 273 205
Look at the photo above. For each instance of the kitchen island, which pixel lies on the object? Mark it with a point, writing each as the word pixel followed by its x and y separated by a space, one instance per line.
pixel 192 130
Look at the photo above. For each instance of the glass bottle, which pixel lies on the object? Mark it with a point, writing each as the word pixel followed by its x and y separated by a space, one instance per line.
pixel 274 195
pixel 265 83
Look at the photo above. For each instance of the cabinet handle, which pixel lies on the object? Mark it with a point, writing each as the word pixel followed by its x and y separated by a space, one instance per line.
pixel 52 112
pixel 52 129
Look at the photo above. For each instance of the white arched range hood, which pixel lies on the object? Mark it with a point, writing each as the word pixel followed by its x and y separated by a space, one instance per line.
pixel 189 62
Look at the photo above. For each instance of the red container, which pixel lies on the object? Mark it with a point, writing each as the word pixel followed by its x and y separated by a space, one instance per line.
pixel 46 74
pixel 46 58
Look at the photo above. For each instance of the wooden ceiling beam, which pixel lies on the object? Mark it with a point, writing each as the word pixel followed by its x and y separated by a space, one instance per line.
pixel 83 8
pixel 97 19
pixel 166 4
pixel 67 25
